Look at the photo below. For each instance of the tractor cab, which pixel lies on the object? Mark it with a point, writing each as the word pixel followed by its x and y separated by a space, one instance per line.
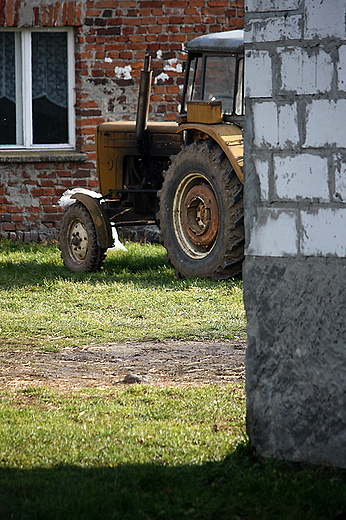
pixel 214 87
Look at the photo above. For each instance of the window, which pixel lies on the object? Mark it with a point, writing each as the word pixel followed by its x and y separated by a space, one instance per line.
pixel 37 89
pixel 216 77
pixel 219 80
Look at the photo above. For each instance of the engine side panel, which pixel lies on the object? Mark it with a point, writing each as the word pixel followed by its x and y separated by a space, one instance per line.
pixel 115 141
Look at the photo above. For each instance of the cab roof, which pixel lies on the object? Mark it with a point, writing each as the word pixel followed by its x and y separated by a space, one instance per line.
pixel 228 41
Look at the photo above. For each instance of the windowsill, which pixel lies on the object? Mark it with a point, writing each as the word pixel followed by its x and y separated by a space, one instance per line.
pixel 29 156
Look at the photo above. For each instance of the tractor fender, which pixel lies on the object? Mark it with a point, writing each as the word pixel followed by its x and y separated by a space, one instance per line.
pixel 101 222
pixel 228 136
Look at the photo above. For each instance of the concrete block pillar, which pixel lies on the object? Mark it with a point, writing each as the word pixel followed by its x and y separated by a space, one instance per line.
pixel 295 218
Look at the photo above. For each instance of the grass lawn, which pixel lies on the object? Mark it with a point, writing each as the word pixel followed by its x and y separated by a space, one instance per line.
pixel 135 452
pixel 148 453
pixel 136 296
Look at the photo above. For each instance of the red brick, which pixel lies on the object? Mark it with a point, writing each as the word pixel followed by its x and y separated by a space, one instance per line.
pixel 170 117
pixel 132 21
pixel 155 29
pixel 105 4
pixel 79 183
pixel 36 192
pixel 2 12
pixel 48 192
pixel 47 183
pixel 45 200
pixel 9 9
pixel 178 38
pixel 78 14
pixel 50 209
pixel 8 226
pixel 14 209
pixel 115 21
pixel 17 6
pixel 17 218
pixel 187 29
pixel 50 15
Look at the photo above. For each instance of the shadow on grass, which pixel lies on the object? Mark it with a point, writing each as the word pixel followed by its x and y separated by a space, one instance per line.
pixel 144 270
pixel 28 272
pixel 238 487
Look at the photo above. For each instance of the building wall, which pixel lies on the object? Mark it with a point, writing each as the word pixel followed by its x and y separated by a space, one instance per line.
pixel 111 38
pixel 295 207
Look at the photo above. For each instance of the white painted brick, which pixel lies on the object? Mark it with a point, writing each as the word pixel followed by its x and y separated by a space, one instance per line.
pixel 326 18
pixel 324 232
pixel 306 74
pixel 325 124
pixel 275 126
pixel 273 29
pixel 340 181
pixel 271 5
pixel 342 68
pixel 258 74
pixel 262 170
pixel 301 176
pixel 274 233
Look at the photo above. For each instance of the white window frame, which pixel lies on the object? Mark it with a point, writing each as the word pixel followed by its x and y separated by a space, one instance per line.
pixel 24 123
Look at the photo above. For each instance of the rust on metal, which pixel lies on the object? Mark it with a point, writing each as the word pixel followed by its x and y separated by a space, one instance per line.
pixel 201 215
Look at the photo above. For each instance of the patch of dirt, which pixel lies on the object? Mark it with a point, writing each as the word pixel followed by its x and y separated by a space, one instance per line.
pixel 159 363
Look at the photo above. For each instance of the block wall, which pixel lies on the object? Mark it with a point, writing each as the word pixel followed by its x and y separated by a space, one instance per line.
pixel 294 283
pixel 111 38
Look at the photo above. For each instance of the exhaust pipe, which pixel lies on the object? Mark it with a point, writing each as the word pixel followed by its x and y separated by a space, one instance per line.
pixel 143 100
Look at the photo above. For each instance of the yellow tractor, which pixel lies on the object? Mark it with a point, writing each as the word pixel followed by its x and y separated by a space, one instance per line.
pixel 186 177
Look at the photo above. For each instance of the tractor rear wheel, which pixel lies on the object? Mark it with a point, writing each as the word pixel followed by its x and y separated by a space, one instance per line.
pixel 78 240
pixel 201 213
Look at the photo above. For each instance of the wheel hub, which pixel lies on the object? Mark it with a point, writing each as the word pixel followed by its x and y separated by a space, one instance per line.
pixel 201 215
pixel 78 241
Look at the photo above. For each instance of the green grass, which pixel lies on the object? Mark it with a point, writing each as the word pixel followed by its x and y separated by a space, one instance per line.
pixel 146 453
pixel 136 452
pixel 136 297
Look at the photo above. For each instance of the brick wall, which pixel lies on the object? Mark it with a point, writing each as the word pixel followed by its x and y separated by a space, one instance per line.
pixel 111 38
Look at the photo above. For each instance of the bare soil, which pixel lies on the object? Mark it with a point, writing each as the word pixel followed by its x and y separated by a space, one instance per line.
pixel 159 363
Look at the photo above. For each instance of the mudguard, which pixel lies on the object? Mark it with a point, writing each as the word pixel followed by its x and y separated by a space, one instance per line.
pixel 228 136
pixel 101 222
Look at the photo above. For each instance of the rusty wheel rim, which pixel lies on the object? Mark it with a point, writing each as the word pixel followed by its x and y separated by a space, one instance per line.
pixel 196 216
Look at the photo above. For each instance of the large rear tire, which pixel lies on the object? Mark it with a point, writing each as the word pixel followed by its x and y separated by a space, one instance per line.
pixel 201 213
pixel 78 240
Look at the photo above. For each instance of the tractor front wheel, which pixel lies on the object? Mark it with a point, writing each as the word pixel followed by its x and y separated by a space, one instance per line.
pixel 78 240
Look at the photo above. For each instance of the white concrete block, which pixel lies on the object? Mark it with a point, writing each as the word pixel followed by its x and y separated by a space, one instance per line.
pixel 265 126
pixel 324 232
pixel 301 176
pixel 340 181
pixel 325 123
pixel 275 126
pixel 271 5
pixel 342 68
pixel 258 74
pixel 274 233
pixel 274 29
pixel 262 170
pixel 326 18
pixel 288 134
pixel 304 73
